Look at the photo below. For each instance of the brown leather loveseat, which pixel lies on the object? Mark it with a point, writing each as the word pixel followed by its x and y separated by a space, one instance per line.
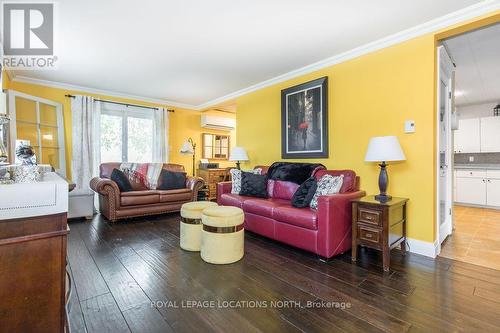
pixel 115 205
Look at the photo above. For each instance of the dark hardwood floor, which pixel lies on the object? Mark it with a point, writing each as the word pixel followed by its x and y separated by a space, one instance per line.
pixel 132 277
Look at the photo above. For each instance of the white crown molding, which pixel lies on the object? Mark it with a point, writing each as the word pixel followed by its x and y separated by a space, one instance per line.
pixel 66 86
pixel 482 8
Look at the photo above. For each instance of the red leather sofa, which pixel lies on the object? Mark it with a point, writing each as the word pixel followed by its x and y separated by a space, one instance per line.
pixel 325 231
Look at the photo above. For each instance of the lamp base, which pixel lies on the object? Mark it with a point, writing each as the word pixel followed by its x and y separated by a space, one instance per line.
pixel 383 197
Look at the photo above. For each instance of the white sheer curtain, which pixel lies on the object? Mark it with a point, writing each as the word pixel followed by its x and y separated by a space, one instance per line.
pixel 85 159
pixel 160 139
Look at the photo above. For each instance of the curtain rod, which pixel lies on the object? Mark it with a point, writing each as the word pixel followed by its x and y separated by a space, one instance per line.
pixel 126 104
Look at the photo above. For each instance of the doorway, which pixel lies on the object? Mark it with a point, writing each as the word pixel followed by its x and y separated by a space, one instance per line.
pixel 469 147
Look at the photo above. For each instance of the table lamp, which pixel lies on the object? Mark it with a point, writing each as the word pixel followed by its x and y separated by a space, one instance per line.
pixel 238 154
pixel 189 148
pixel 384 149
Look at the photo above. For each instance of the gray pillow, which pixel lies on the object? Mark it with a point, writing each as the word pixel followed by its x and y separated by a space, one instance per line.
pixel 327 184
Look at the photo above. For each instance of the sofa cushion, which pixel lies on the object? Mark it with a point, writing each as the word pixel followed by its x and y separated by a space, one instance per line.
pixel 304 194
pixel 236 179
pixel 183 194
pixel 262 207
pixel 135 198
pixel 121 180
pixel 284 190
pixel 300 217
pixel 253 185
pixel 327 185
pixel 171 180
pixel 349 184
pixel 229 199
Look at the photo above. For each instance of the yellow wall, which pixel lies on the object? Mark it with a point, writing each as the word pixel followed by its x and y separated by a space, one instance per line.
pixel 186 124
pixel 368 96
pixel 183 123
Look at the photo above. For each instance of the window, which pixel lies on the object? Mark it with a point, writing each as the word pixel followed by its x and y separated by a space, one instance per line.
pixel 39 123
pixel 127 134
pixel 215 146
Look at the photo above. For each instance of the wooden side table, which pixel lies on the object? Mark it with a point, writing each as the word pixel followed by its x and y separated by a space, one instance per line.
pixel 380 226
pixel 212 177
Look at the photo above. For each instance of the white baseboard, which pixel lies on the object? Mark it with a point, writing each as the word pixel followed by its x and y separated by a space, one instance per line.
pixel 427 249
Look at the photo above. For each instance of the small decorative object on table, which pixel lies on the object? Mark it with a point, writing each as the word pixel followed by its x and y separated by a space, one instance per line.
pixel 379 225
pixel 28 171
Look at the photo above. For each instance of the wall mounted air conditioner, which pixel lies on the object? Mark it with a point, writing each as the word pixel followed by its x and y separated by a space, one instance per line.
pixel 218 123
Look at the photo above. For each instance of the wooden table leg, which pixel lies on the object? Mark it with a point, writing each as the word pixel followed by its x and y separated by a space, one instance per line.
pixel 354 248
pixel 386 258
pixel 403 243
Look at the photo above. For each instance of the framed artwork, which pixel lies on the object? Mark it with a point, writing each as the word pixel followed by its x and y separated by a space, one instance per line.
pixel 304 120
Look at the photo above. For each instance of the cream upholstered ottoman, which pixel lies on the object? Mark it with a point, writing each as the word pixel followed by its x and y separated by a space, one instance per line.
pixel 222 238
pixel 191 224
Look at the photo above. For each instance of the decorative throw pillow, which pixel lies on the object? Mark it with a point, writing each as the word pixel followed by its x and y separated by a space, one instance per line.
pixel 170 180
pixel 121 180
pixel 236 179
pixel 253 185
pixel 327 185
pixel 304 194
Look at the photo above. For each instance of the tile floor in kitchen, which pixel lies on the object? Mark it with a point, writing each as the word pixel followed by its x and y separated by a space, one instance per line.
pixel 476 237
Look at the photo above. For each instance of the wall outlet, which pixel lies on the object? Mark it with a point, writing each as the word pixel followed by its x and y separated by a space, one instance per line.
pixel 410 126
pixel 471 159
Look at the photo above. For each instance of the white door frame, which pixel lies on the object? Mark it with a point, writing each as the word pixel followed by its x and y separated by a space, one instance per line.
pixel 446 74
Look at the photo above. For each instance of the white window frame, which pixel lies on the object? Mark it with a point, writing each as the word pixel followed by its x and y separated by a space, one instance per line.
pixel 124 112
pixel 60 127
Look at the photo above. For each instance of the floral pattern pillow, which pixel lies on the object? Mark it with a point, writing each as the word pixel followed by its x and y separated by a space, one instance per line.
pixel 236 179
pixel 327 185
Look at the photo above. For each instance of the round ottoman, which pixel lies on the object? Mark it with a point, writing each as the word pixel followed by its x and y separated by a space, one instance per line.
pixel 191 224
pixel 222 237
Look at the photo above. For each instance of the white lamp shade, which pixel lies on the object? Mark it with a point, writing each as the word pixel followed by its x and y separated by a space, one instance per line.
pixel 187 148
pixel 384 149
pixel 238 154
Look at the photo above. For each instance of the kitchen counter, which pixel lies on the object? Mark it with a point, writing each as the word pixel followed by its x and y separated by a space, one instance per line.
pixel 477 166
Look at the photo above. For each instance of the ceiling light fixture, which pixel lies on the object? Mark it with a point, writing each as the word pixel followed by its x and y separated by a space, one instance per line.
pixel 496 110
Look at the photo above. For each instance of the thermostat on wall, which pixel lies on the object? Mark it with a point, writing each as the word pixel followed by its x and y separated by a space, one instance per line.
pixel 410 126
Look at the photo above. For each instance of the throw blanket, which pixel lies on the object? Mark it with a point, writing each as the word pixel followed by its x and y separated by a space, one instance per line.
pixel 292 172
pixel 145 173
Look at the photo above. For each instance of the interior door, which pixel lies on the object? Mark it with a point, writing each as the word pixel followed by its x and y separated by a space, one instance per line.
pixel 445 144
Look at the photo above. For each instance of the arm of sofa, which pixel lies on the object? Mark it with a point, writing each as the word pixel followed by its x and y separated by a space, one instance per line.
pixel 335 222
pixel 107 188
pixel 194 184
pixel 223 187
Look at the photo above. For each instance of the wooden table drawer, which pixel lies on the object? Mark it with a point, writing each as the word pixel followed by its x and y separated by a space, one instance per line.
pixel 369 235
pixel 370 216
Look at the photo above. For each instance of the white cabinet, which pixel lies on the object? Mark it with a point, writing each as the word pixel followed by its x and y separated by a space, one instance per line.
pixel 468 136
pixel 490 134
pixel 493 192
pixel 471 191
pixel 477 187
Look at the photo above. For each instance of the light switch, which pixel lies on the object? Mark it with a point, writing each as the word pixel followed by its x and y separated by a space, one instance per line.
pixel 471 159
pixel 410 126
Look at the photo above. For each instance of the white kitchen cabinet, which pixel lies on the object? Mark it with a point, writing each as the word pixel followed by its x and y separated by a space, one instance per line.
pixel 490 134
pixel 468 136
pixel 493 192
pixel 471 191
